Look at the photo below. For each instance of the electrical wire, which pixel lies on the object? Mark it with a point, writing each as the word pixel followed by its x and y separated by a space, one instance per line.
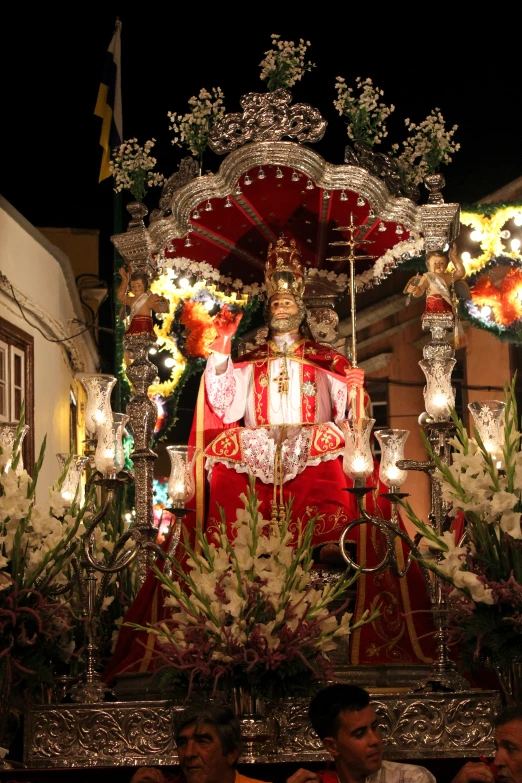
pixel 34 326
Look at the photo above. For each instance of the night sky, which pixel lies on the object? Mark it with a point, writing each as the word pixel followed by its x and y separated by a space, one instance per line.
pixel 52 65
pixel 51 155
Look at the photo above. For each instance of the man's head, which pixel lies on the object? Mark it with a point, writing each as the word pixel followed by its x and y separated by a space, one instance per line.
pixel 346 723
pixel 208 742
pixel 508 742
pixel 284 313
pixel 139 282
pixel 437 261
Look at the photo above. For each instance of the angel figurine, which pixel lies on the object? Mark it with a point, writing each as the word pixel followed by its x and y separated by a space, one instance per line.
pixel 437 283
pixel 141 301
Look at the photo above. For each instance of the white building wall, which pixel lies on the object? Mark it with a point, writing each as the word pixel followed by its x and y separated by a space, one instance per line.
pixel 42 273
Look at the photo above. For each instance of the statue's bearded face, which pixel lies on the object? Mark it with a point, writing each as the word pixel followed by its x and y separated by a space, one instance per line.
pixel 285 315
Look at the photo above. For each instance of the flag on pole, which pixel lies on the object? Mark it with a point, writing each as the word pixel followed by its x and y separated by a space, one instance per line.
pixel 108 104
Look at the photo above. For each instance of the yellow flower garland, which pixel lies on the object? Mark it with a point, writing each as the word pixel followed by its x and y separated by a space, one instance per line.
pixel 165 286
pixel 489 227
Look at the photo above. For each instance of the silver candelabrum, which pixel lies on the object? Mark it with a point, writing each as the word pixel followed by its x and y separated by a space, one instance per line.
pixel 437 364
pixel 90 688
pixel 135 246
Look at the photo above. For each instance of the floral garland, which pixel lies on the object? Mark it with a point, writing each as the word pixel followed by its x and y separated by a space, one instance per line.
pixel 194 288
pixel 402 251
pixel 203 271
pixel 497 309
pixel 341 281
pixel 490 226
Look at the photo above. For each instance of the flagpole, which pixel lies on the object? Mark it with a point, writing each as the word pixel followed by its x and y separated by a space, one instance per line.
pixel 109 109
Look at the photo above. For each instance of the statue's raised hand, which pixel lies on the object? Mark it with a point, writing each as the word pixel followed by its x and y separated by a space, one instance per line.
pixel 226 324
pixel 354 377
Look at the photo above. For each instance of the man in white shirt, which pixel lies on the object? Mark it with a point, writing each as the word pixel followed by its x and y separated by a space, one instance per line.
pixel 346 723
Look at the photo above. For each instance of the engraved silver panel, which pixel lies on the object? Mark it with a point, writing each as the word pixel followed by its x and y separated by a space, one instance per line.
pixel 440 224
pixel 100 735
pixel 414 726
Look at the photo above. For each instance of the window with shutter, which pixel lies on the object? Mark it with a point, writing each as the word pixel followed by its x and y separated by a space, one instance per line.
pixel 16 382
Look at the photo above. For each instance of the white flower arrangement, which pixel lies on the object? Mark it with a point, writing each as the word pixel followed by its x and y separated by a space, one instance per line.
pixel 248 610
pixel 38 542
pixel 192 130
pixel 285 63
pixel 341 280
pixel 365 114
pixel 428 147
pixel 131 166
pixel 34 540
pixel 484 565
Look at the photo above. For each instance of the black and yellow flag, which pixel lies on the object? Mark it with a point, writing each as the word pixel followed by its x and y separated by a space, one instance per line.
pixel 108 104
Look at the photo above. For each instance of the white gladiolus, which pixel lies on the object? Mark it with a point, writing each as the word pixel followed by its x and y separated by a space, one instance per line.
pixel 253 598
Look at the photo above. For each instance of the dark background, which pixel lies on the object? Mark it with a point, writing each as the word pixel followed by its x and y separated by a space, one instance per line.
pixel 52 64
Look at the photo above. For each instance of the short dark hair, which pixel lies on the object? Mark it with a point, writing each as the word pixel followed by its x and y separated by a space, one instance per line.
pixel 513 712
pixel 222 719
pixel 143 276
pixel 326 707
pixel 432 253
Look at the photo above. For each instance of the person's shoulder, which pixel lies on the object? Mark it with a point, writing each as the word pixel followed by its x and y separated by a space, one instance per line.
pixel 409 773
pixel 328 776
pixel 259 352
pixel 312 348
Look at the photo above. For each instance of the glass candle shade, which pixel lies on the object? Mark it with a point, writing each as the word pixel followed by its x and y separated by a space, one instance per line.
pixel 439 394
pixel 7 439
pixel 392 450
pixel 180 488
pixel 358 457
pixel 109 457
pixel 71 487
pixel 98 388
pixel 488 417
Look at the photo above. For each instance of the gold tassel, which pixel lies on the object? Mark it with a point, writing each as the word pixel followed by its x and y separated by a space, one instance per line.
pixel 278 509
pixel 455 306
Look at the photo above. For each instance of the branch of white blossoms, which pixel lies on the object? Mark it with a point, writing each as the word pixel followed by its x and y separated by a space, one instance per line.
pixel 192 130
pixel 365 114
pixel 285 63
pixel 131 165
pixel 428 147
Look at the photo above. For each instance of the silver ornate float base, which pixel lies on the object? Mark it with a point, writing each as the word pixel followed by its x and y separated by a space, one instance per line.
pixel 414 726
